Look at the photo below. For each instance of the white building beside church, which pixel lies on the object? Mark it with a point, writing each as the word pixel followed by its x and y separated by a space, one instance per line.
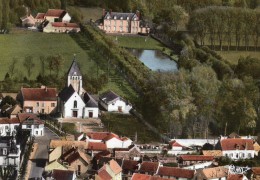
pixel 73 100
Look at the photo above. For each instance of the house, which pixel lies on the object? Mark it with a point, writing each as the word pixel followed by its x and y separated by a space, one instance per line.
pixel 215 153
pixel 39 18
pixel 55 153
pixel 110 170
pixel 256 148
pixel 116 22
pixel 150 168
pixel 113 141
pixel 61 27
pixel 41 100
pixel 63 175
pixel 9 152
pixel 237 177
pixel 174 172
pixel 255 173
pixel 96 147
pixel 112 102
pixel 13 111
pixel 132 152
pixel 187 160
pixel 175 146
pixel 237 148
pixel 27 21
pixel 129 167
pixel 212 173
pixel 71 98
pixel 30 122
pixel 57 15
pixel 77 160
pixel 66 145
pixel 8 126
pixel 56 164
pixel 138 176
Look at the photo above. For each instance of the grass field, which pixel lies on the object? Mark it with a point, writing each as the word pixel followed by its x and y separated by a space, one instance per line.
pixel 233 56
pixel 127 125
pixel 36 44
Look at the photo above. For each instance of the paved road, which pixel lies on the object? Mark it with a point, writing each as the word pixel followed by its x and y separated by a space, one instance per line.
pixel 41 155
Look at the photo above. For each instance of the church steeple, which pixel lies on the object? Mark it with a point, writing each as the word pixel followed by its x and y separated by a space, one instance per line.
pixel 75 76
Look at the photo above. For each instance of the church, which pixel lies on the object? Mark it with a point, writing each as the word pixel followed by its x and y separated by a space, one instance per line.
pixel 73 100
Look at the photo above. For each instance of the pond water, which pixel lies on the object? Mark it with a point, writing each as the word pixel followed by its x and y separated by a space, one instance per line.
pixel 155 59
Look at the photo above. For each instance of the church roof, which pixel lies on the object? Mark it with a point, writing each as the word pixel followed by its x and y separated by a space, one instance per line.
pixel 89 100
pixel 66 93
pixel 74 69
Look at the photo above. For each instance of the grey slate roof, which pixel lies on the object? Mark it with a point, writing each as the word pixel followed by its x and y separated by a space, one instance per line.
pixel 66 93
pixel 89 101
pixel 119 15
pixel 74 69
pixel 108 96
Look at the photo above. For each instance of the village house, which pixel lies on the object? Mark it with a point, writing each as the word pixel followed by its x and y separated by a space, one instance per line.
pixel 30 122
pixel 8 126
pixel 187 160
pixel 27 21
pixel 216 173
pixel 9 152
pixel 13 111
pixel 149 168
pixel 129 167
pixel 61 174
pixel 132 152
pixel 39 18
pixel 112 102
pixel 237 148
pixel 137 176
pixel 255 173
pixel 174 172
pixel 110 170
pixel 71 99
pixel 129 23
pixel 38 100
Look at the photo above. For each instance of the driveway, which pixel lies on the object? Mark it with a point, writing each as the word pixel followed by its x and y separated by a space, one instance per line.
pixel 41 155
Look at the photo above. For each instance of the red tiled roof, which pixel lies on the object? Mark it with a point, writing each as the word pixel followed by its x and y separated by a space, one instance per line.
pixel 103 154
pixel 55 12
pixel 176 144
pixel 28 118
pixel 196 158
pixel 159 178
pixel 14 121
pixel 61 24
pixel 40 16
pixel 150 167
pixel 235 177
pixel 137 176
pixel 175 172
pixel 256 170
pixel 111 136
pixel 233 144
pixel 115 166
pixel 98 135
pixel 103 174
pixel 97 146
pixel 4 120
pixel 62 174
pixel 39 94
pixel 130 165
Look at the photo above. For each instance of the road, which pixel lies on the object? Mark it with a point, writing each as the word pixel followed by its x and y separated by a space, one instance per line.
pixel 41 155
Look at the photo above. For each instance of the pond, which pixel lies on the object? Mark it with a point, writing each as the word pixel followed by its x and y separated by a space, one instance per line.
pixel 155 59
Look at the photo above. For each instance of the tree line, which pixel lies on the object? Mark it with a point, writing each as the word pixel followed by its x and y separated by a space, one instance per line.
pixel 218 25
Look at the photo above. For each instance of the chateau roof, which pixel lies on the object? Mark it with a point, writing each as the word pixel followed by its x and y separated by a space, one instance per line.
pixel 119 15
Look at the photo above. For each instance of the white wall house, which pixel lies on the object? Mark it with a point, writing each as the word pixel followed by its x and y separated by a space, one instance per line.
pixel 111 102
pixel 115 142
pixel 91 110
pixel 8 126
pixel 57 15
pixel 66 18
pixel 31 123
pixel 238 148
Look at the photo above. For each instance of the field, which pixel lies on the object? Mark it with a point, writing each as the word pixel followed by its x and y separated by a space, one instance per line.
pixel 233 56
pixel 20 44
pixel 129 126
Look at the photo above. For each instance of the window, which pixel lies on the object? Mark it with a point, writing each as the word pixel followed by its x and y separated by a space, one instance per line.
pixel 28 126
pixel 6 127
pixel 75 104
pixel 249 155
pixel 42 111
pixel 37 104
pixel 5 152
pixel 52 104
pixel 42 104
pixel 36 132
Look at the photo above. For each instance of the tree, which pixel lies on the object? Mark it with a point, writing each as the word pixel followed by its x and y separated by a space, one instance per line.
pixel 7 100
pixel 29 65
pixel 12 67
pixel 42 59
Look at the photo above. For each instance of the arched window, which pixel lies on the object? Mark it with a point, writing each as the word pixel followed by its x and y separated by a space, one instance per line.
pixel 75 104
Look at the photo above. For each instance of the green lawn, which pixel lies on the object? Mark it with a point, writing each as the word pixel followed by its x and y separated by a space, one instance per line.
pixel 233 56
pixel 35 44
pixel 127 125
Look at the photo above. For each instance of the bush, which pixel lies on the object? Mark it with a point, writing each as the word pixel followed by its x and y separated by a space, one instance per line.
pixel 69 128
